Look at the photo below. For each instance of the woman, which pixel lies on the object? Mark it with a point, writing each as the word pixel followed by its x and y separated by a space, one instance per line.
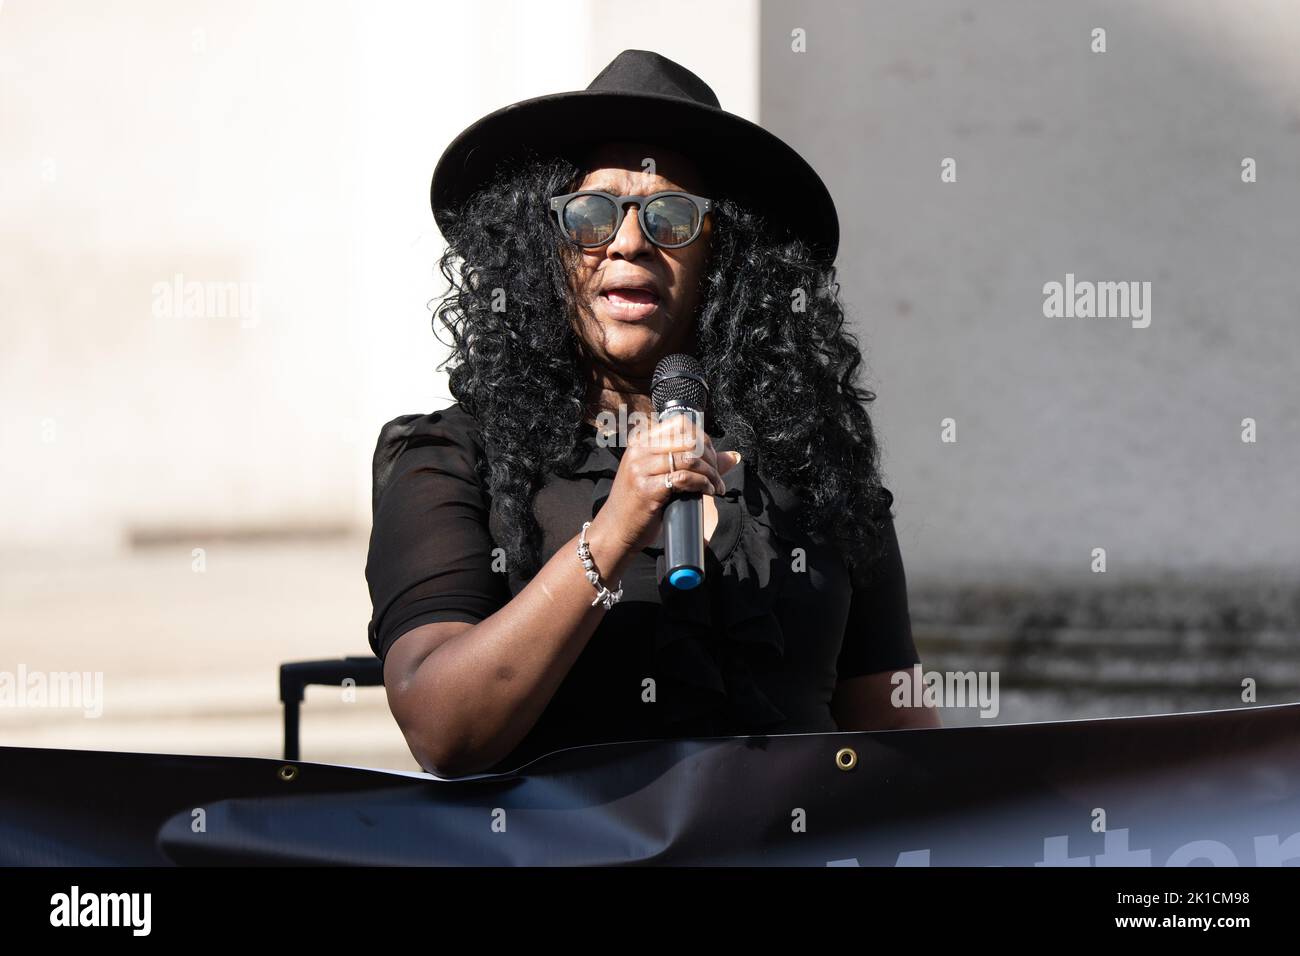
pixel 498 646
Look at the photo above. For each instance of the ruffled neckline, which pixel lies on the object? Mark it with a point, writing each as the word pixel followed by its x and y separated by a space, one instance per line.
pixel 713 642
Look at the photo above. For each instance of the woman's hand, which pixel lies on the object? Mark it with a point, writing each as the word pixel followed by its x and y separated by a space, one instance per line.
pixel 632 515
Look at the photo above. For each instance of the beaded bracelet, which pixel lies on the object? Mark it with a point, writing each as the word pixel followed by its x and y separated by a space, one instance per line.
pixel 603 594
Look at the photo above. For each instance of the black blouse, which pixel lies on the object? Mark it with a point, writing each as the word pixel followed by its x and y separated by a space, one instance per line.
pixel 757 648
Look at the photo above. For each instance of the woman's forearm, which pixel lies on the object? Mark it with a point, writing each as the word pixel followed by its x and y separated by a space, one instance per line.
pixel 477 694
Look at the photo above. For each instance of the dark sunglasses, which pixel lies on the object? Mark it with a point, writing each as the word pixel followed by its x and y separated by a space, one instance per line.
pixel 592 218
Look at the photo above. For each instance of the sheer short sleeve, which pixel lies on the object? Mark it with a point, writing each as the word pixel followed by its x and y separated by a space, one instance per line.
pixel 878 635
pixel 430 555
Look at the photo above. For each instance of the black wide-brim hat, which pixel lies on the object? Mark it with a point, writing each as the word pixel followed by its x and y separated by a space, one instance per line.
pixel 646 97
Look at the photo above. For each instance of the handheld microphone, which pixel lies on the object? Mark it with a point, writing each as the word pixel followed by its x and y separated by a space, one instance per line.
pixel 678 388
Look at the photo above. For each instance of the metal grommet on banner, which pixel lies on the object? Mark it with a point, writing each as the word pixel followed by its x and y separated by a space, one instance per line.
pixel 288 772
pixel 846 758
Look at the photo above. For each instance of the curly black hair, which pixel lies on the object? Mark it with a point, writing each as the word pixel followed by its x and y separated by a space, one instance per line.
pixel 770 334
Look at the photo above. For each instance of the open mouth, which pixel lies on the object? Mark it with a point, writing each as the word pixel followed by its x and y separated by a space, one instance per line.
pixel 632 303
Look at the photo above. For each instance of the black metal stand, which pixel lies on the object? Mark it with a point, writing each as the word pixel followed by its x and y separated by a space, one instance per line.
pixel 297 676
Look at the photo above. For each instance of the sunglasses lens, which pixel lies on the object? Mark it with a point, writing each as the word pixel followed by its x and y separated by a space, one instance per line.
pixel 589 220
pixel 671 220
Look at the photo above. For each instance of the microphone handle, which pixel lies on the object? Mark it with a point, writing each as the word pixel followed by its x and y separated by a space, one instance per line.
pixel 683 526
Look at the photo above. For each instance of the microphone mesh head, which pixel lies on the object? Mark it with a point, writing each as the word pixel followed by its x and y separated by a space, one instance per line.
pixel 679 379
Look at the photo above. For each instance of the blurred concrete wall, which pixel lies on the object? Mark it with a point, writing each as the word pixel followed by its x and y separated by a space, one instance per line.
pixel 1072 433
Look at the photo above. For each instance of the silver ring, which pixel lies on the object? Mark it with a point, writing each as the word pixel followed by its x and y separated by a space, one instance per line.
pixel 668 481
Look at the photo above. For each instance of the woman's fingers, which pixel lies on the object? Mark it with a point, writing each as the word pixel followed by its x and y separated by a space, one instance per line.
pixel 636 502
pixel 732 460
pixel 683 481
pixel 676 434
pixel 698 465
pixel 719 463
pixel 679 446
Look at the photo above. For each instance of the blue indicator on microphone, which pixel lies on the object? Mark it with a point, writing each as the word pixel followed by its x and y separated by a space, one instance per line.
pixel 685 578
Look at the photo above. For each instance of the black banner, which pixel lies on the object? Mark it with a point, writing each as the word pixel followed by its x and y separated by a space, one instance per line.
pixel 1218 788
